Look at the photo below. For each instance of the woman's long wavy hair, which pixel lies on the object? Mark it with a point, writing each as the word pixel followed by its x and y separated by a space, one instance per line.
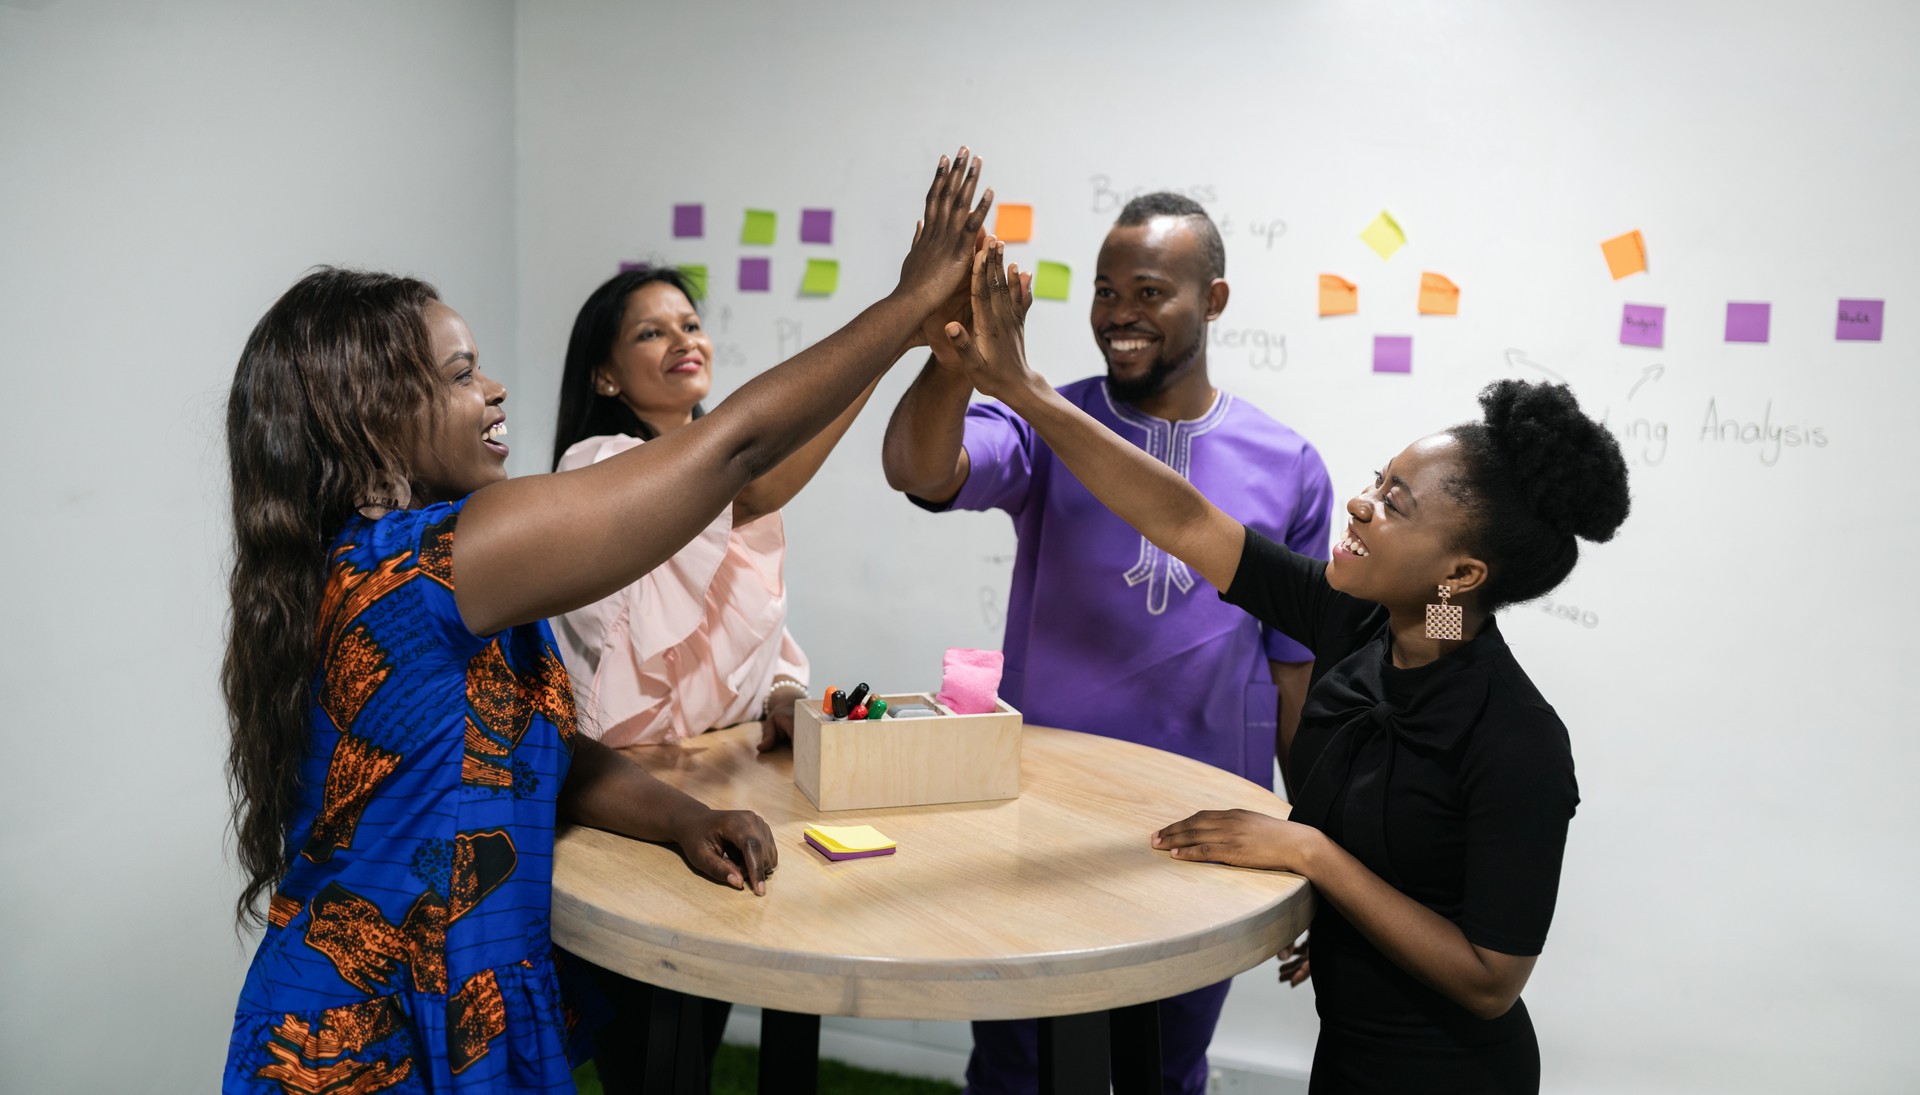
pixel 584 412
pixel 333 387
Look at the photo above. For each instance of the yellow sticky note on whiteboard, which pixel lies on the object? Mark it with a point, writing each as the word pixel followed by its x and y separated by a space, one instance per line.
pixel 1384 235
pixel 1438 296
pixel 1626 254
pixel 1338 296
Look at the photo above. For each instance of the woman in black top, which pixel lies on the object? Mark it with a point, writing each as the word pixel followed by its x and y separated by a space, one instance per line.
pixel 1433 784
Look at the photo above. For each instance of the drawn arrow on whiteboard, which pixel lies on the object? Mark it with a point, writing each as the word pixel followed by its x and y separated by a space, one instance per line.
pixel 1652 372
pixel 1517 358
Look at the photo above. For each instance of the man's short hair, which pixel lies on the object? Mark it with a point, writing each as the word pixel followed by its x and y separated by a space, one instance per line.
pixel 1165 204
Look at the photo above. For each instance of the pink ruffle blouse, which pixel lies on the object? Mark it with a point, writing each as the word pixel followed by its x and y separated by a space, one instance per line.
pixel 692 645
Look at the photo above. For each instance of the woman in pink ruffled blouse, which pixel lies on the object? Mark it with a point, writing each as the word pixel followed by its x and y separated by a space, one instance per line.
pixel 700 642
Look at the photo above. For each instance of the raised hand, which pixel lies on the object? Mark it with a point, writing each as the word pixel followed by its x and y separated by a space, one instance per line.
pixel 993 353
pixel 944 240
pixel 730 846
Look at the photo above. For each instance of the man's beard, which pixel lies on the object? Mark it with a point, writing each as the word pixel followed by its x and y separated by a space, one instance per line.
pixel 1154 380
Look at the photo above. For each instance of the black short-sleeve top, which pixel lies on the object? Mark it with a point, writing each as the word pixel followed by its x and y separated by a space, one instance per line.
pixel 1453 781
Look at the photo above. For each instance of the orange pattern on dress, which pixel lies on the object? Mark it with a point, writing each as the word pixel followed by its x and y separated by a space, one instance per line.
pixel 353 774
pixel 356 668
pixel 552 691
pixel 484 764
pixel 281 910
pixel 501 713
pixel 481 863
pixel 476 1015
pixel 436 551
pixel 343 1031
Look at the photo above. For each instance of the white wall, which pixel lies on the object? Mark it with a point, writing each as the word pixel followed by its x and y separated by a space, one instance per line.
pixel 166 170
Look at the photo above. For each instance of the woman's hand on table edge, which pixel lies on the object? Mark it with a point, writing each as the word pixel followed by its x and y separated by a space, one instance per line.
pixel 1241 838
pixel 730 846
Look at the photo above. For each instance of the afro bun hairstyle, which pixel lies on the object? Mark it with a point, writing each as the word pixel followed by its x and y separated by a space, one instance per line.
pixel 1537 477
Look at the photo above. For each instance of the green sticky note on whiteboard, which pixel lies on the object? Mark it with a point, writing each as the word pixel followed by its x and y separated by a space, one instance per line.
pixel 758 227
pixel 822 278
pixel 1050 280
pixel 696 275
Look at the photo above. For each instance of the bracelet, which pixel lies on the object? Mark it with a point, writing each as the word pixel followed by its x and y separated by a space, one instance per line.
pixel 775 690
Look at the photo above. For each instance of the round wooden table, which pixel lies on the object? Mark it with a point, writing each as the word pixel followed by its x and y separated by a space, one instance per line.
pixel 1051 904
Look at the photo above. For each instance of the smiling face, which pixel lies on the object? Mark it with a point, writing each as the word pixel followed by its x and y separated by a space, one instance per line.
pixel 1152 300
pixel 1403 531
pixel 461 450
pixel 660 362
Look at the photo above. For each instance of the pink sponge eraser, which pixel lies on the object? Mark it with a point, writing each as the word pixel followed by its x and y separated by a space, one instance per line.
pixel 971 683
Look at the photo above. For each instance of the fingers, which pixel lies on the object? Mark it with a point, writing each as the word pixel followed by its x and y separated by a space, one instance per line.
pixel 1020 287
pixel 977 220
pixel 707 858
pixel 769 737
pixel 971 179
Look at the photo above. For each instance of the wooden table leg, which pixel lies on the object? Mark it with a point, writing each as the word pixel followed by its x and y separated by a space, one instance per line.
pixel 1074 1054
pixel 789 1053
pixel 676 1050
pixel 1136 1049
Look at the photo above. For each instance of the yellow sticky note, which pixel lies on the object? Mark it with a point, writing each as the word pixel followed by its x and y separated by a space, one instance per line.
pixel 850 838
pixel 1014 223
pixel 1338 296
pixel 759 227
pixel 1626 254
pixel 1438 296
pixel 1050 280
pixel 1384 235
pixel 822 278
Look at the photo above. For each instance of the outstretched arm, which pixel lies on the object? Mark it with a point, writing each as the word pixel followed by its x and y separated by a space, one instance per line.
pixel 1142 491
pixel 776 488
pixel 542 545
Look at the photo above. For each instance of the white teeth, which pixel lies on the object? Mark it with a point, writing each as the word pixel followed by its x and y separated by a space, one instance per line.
pixel 497 430
pixel 1354 546
pixel 1127 346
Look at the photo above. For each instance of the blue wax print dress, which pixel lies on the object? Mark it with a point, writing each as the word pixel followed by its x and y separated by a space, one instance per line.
pixel 407 948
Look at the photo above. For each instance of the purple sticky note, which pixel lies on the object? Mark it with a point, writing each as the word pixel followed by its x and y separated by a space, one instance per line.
pixel 1748 322
pixel 816 226
pixel 1643 325
pixel 630 267
pixel 1392 353
pixel 1859 320
pixel 689 221
pixel 756 275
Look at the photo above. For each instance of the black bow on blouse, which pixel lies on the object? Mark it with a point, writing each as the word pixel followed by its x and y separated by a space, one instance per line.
pixel 1360 756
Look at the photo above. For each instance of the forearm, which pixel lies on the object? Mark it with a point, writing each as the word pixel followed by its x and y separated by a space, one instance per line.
pixel 1425 944
pixel 923 448
pixel 776 488
pixel 605 790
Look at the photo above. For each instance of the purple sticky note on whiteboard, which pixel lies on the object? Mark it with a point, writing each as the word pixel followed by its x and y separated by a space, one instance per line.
pixel 756 275
pixel 630 267
pixel 1748 322
pixel 689 221
pixel 816 226
pixel 1392 353
pixel 1859 320
pixel 1643 325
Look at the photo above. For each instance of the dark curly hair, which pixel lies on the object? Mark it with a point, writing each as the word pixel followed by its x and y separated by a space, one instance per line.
pixel 334 384
pixel 1164 204
pixel 1537 477
pixel 584 412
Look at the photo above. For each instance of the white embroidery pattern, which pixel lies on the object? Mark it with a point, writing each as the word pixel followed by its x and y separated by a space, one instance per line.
pixel 1171 443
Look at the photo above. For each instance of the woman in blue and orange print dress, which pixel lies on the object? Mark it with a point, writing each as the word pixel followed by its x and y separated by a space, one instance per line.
pixel 403 732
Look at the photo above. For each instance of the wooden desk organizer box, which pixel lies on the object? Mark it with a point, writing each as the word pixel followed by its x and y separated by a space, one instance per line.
pixel 866 764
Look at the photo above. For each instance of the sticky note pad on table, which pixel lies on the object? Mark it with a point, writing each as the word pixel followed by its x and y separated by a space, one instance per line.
pixel 696 275
pixel 1859 320
pixel 1626 254
pixel 759 227
pixel 1338 296
pixel 822 277
pixel 848 841
pixel 1438 296
pixel 689 221
pixel 1643 325
pixel 816 226
pixel 1747 322
pixel 1392 354
pixel 756 275
pixel 1384 235
pixel 1050 280
pixel 1013 223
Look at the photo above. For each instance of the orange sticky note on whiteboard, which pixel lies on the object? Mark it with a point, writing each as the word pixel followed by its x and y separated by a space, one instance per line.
pixel 1626 254
pixel 1014 223
pixel 1438 296
pixel 1338 296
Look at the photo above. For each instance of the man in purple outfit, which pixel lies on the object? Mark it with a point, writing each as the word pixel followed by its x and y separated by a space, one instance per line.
pixel 1105 632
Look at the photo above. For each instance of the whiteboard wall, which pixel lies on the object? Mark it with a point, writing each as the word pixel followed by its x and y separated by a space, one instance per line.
pixel 1731 913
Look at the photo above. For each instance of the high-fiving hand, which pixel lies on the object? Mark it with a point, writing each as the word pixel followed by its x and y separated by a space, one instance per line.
pixel 945 239
pixel 993 354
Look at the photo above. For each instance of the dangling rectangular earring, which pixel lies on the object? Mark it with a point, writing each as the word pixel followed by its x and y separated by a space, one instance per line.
pixel 1443 619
